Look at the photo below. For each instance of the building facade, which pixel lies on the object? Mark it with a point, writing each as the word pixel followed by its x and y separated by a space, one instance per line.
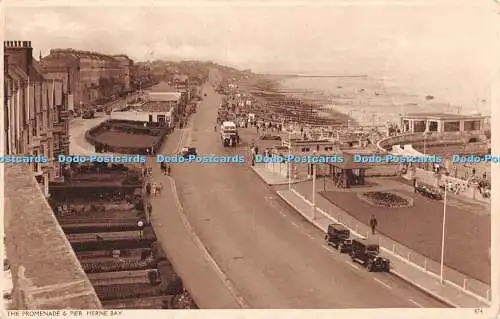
pixel 35 111
pixel 443 123
pixel 94 78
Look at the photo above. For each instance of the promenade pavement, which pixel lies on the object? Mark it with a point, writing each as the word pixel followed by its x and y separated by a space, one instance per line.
pixel 208 287
pixel 273 178
pixel 402 262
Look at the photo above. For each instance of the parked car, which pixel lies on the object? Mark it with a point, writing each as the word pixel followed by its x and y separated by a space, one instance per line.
pixel 337 236
pixel 187 151
pixel 366 252
pixel 88 114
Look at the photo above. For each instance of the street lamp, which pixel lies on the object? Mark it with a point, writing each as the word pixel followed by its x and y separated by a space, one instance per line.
pixel 314 189
pixel 446 185
pixel 289 163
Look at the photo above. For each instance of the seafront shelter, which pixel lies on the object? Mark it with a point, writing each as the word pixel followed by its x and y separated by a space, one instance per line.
pixel 349 173
pixel 442 123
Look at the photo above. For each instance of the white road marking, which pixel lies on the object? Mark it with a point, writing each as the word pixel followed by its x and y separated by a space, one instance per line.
pixel 295 224
pixel 310 237
pixel 382 283
pixel 327 248
pixel 415 303
pixel 282 214
pixel 353 265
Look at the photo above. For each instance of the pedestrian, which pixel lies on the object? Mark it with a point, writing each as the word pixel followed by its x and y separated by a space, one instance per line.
pixel 140 225
pixel 148 189
pixel 373 224
pixel 163 168
pixel 150 210
pixel 169 169
pixel 155 189
pixel 160 187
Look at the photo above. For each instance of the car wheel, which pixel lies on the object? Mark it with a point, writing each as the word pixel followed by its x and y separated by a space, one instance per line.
pixel 352 257
pixel 370 266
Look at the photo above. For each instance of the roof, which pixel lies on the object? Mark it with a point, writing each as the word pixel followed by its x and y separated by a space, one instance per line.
pixel 162 87
pixel 338 226
pixel 82 54
pixel 443 116
pixel 16 73
pixel 366 241
pixel 164 96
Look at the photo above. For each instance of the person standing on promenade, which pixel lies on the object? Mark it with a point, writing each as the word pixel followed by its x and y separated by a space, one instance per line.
pixel 140 225
pixel 373 224
pixel 149 212
pixel 148 189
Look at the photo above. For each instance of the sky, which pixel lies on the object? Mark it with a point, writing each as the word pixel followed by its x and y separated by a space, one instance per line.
pixel 424 42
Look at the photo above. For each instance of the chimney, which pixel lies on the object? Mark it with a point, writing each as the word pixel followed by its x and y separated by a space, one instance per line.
pixel 20 53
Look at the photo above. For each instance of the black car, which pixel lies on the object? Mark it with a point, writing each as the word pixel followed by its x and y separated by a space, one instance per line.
pixel 337 236
pixel 187 151
pixel 88 114
pixel 367 252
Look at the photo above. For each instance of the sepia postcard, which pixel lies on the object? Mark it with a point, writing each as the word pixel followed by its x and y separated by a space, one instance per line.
pixel 309 159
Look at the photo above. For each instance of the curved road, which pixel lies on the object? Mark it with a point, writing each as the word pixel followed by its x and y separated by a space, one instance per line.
pixel 274 258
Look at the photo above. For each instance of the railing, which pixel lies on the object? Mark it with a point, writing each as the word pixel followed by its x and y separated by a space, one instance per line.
pixel 471 286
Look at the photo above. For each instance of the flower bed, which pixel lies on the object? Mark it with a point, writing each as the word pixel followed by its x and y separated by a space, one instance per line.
pixel 386 199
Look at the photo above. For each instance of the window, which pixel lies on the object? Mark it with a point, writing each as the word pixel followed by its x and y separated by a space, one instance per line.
pixel 418 126
pixel 452 126
pixel 33 128
pixel 472 125
pixel 406 125
pixel 433 126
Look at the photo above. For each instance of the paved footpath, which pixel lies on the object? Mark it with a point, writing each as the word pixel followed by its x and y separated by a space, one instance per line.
pixel 324 214
pixel 201 276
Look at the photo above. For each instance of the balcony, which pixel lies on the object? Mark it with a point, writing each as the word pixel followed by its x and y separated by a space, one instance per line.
pixel 45 272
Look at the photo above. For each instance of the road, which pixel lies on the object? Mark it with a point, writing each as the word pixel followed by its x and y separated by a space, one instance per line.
pixel 273 257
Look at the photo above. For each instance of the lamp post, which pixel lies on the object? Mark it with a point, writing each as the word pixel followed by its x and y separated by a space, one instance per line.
pixel 289 163
pixel 443 233
pixel 314 191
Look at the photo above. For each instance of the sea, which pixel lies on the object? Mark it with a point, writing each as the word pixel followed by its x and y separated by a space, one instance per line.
pixel 373 100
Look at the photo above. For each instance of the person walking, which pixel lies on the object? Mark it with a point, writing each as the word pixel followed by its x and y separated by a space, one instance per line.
pixel 373 224
pixel 169 169
pixel 140 225
pixel 148 189
pixel 150 211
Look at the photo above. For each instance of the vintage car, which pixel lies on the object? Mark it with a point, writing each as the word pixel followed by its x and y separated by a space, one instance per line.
pixel 337 236
pixel 187 151
pixel 429 192
pixel 367 252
